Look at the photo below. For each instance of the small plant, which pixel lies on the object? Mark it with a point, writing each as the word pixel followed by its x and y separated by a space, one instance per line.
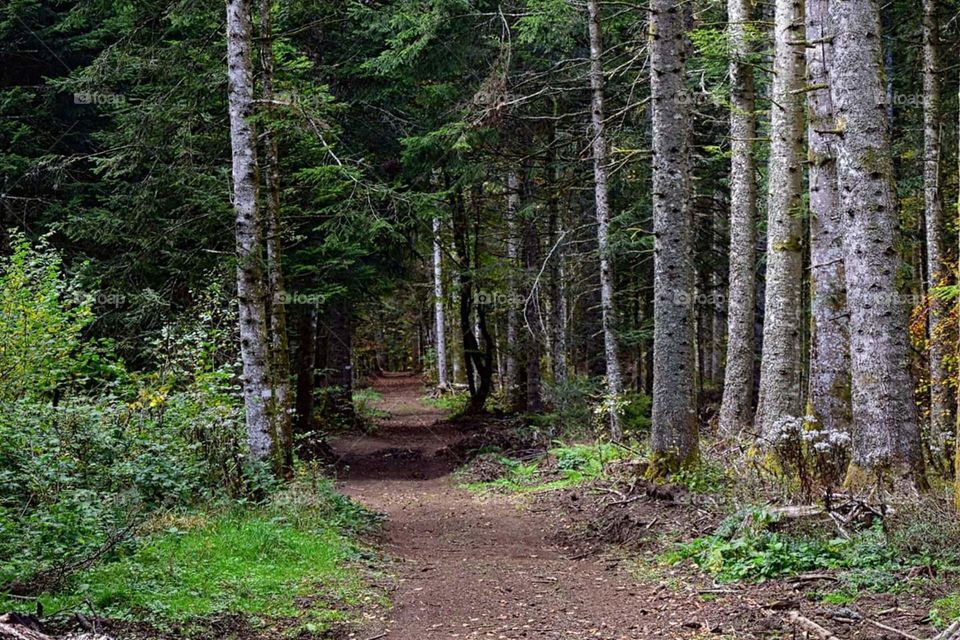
pixel 945 610
pixel 745 548
pixel 706 477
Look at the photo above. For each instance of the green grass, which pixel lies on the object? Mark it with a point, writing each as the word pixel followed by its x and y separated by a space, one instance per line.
pixel 563 467
pixel 453 403
pixel 294 558
pixel 363 402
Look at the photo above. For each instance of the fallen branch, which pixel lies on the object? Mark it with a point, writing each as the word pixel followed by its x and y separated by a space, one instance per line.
pixel 809 626
pixel 898 632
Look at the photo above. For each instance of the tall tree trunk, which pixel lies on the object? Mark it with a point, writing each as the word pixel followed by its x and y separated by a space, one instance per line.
pixel 532 314
pixel 282 409
pixel 885 434
pixel 674 437
pixel 513 255
pixel 254 342
pixel 608 315
pixel 829 345
pixel 438 316
pixel 780 392
pixel 340 358
pixel 306 365
pixel 941 405
pixel 556 286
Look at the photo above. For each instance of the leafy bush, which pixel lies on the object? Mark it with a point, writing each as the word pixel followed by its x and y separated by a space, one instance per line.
pixel 744 548
pixel 42 317
pixel 78 473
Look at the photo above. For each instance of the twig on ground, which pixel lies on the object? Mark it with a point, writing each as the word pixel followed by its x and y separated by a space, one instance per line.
pixel 900 633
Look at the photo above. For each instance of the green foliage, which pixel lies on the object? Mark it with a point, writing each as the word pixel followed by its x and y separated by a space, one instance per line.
pixel 744 548
pixel 705 477
pixel 453 403
pixel 363 403
pixel 945 610
pixel 248 560
pixel 42 318
pixel 562 467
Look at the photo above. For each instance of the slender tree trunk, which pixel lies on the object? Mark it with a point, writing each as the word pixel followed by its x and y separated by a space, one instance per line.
pixel 885 433
pixel 254 342
pixel 780 374
pixel 282 410
pixel 513 255
pixel 829 344
pixel 306 364
pixel 532 314
pixel 674 437
pixel 439 329
pixel 941 404
pixel 956 435
pixel 340 357
pixel 556 283
pixel 611 353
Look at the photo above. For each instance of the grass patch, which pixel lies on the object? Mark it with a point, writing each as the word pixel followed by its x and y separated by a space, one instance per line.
pixel 292 558
pixel 560 468
pixel 453 403
pixel 363 402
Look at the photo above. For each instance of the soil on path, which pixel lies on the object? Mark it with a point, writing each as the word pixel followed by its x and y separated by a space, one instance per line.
pixel 474 566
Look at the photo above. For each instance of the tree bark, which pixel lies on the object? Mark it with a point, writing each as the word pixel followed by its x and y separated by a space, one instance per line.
pixel 608 315
pixel 306 365
pixel 941 404
pixel 532 315
pixel 254 342
pixel 674 437
pixel 885 434
pixel 513 255
pixel 438 315
pixel 339 364
pixel 556 284
pixel 780 367
pixel 282 410
pixel 829 389
pixel 736 408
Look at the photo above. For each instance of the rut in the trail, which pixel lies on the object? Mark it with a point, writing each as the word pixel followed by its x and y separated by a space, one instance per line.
pixel 483 567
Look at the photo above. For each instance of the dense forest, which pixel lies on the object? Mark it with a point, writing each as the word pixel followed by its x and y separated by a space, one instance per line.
pixel 317 314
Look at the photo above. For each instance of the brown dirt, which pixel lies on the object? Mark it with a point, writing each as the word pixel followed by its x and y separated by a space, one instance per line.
pixel 541 567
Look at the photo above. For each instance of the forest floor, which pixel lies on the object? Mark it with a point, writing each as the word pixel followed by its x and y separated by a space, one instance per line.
pixel 501 565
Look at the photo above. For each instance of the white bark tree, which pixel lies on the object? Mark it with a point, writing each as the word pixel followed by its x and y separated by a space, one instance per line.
pixel 829 391
pixel 885 432
pixel 780 393
pixel 736 409
pixel 254 342
pixel 674 436
pixel 513 255
pixel 611 353
pixel 439 329
pixel 941 405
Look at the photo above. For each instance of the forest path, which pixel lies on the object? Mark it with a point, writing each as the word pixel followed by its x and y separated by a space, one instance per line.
pixel 474 566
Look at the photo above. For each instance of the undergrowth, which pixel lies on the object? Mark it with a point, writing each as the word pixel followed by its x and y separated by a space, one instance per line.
pixel 293 557
pixel 746 546
pixel 561 467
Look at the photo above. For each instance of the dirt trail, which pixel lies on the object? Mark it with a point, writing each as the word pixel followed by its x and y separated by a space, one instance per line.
pixel 484 567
